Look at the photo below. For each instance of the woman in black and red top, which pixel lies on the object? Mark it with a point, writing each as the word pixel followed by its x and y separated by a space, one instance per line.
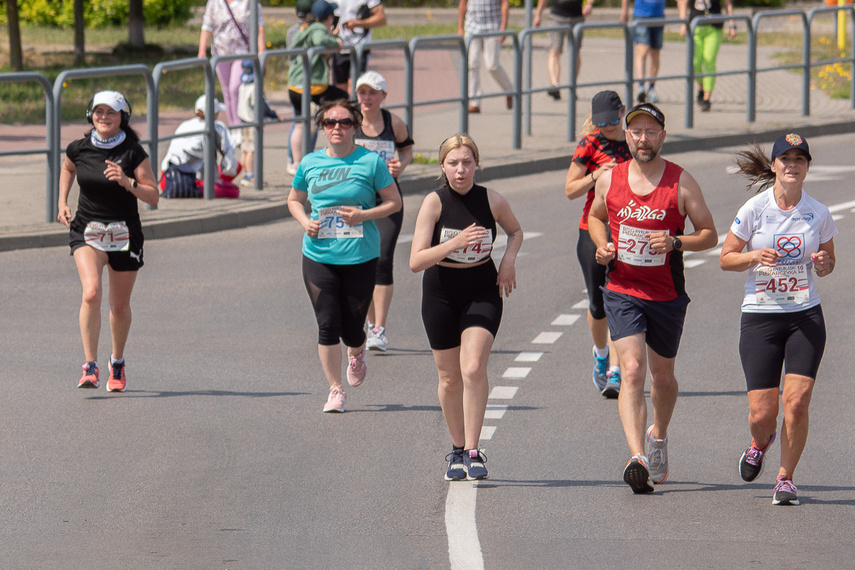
pixel 601 148
pixel 113 172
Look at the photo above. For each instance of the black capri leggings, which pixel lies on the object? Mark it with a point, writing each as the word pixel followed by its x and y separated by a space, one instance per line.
pixel 390 229
pixel 340 296
pixel 456 299
pixel 768 341
pixel 593 272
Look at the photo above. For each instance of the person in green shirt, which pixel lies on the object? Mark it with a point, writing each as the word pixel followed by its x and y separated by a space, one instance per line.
pixel 317 32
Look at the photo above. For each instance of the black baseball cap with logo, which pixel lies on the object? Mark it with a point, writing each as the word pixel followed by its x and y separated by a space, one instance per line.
pixel 789 141
pixel 648 109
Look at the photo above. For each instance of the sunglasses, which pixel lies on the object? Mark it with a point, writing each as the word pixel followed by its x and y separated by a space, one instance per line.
pixel 611 124
pixel 331 123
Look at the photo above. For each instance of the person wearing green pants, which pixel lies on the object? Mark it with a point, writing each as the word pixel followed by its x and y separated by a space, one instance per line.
pixel 707 41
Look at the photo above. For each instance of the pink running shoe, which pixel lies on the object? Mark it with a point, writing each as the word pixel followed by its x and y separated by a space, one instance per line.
pixel 117 381
pixel 336 401
pixel 90 376
pixel 356 369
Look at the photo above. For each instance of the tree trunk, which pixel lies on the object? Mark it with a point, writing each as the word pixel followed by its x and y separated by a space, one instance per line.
pixel 16 53
pixel 136 24
pixel 79 34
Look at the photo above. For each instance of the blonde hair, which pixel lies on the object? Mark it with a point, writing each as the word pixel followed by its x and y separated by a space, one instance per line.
pixel 456 141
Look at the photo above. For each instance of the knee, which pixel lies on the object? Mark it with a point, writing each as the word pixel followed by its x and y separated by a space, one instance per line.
pixel 796 408
pixel 92 295
pixel 121 309
pixel 632 372
pixel 763 413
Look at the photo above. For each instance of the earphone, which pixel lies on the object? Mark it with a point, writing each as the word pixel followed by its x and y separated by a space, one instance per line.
pixel 126 112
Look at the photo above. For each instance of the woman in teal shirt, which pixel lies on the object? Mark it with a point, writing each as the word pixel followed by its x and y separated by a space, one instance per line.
pixel 342 244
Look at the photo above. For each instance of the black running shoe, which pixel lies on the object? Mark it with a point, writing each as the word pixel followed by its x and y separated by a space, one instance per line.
pixel 751 462
pixel 637 475
pixel 785 492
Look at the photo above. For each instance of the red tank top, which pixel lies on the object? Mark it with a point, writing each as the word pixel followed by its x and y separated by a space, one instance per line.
pixel 636 271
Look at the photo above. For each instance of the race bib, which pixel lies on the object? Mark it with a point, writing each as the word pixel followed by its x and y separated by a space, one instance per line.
pixel 781 285
pixel 386 149
pixel 633 248
pixel 333 227
pixel 471 254
pixel 111 237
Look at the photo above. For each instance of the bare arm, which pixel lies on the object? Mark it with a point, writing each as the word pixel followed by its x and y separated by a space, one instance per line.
pixel 262 42
pixel 598 219
pixel 538 13
pixel 461 16
pixel 297 206
pixel 405 154
pixel 691 203
pixel 377 19
pixel 504 216
pixel 204 40
pixel 733 258
pixel 579 181
pixel 146 189
pixel 505 10
pixel 66 178
pixel 824 260
pixel 391 203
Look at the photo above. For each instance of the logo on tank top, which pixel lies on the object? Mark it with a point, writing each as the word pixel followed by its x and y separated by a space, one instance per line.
pixel 634 212
pixel 330 177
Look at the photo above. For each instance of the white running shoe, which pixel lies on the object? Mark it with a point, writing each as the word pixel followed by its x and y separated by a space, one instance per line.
pixel 651 96
pixel 376 339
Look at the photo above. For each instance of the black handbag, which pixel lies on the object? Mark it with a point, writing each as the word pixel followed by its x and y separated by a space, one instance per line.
pixel 180 184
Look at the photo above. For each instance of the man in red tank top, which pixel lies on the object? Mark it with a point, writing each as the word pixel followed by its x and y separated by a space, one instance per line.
pixel 644 203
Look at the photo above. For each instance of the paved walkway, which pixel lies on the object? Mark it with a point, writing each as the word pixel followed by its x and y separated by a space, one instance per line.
pixel 23 201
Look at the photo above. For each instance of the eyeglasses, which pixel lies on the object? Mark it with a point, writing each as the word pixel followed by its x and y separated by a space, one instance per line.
pixel 331 123
pixel 651 135
pixel 611 124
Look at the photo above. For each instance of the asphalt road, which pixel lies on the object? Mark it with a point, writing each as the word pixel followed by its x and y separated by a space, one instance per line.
pixel 218 455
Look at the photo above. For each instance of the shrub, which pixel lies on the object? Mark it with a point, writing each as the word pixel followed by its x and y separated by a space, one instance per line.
pixel 99 13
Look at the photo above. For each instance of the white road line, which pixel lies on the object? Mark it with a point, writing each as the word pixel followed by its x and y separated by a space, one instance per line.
pixel 503 392
pixel 581 305
pixel 694 263
pixel 547 338
pixel 495 411
pixel 464 548
pixel 516 372
pixel 487 432
pixel 528 356
pixel 565 320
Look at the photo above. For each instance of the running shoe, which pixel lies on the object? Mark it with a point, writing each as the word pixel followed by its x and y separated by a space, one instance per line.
pixel 612 389
pixel 356 369
pixel 377 339
pixel 601 368
pixel 117 381
pixel 637 475
pixel 336 401
pixel 473 461
pixel 642 96
pixel 456 465
pixel 785 492
pixel 700 95
pixel 751 462
pixel 657 457
pixel 705 106
pixel 555 93
pixel 90 376
pixel 651 96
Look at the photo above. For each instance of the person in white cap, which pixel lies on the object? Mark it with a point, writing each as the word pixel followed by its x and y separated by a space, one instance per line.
pixel 186 154
pixel 113 172
pixel 387 135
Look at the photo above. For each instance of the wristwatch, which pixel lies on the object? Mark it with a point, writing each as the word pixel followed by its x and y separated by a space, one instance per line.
pixel 134 183
pixel 678 245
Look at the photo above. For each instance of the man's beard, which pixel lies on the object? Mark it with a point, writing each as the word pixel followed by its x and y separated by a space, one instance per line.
pixel 644 158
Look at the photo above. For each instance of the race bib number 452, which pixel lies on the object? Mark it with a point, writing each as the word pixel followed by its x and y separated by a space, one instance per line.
pixel 782 284
pixel 633 248
pixel 333 226
pixel 472 253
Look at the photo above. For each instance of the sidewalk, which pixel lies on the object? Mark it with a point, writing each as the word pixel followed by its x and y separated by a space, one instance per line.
pixel 22 197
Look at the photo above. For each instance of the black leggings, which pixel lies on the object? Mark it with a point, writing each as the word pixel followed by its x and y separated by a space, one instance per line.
pixel 340 296
pixel 768 341
pixel 456 299
pixel 593 273
pixel 390 229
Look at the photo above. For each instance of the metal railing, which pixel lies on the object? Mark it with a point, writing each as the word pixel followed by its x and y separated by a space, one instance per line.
pixel 520 45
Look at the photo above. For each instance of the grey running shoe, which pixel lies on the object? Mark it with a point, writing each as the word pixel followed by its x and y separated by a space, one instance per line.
pixel 657 455
pixel 751 462
pixel 612 389
pixel 651 96
pixel 637 475
pixel 474 461
pixel 601 368
pixel 785 493
pixel 456 469
pixel 376 339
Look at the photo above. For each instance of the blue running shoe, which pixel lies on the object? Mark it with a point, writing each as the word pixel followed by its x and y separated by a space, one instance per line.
pixel 456 469
pixel 601 368
pixel 612 389
pixel 474 461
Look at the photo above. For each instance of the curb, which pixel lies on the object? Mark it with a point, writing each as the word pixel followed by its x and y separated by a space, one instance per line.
pixel 257 215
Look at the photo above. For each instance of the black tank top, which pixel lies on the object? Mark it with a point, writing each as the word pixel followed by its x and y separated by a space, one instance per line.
pixel 459 211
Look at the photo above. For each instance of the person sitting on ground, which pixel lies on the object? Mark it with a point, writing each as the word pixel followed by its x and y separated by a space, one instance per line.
pixel 184 161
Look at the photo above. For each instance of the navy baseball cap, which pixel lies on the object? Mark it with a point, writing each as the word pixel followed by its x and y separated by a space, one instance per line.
pixel 648 109
pixel 786 142
pixel 321 9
